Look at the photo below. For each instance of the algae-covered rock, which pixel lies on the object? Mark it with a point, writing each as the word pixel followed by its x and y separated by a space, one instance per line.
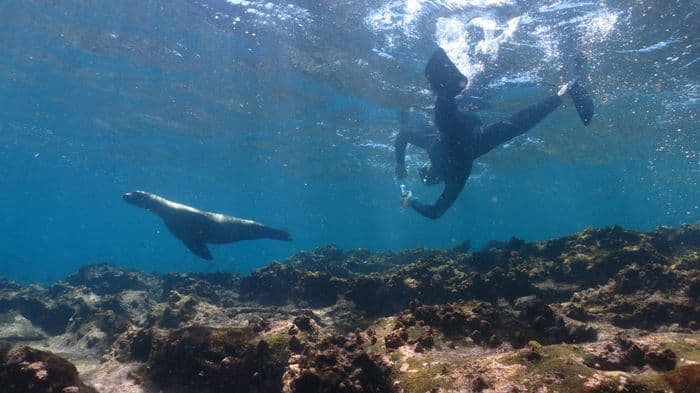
pixel 624 354
pixel 337 364
pixel 215 288
pixel 28 370
pixel 201 359
pixel 106 279
pixel 280 284
pixel 513 316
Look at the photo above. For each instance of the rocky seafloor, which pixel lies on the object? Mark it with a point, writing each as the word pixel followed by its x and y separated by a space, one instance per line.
pixel 605 310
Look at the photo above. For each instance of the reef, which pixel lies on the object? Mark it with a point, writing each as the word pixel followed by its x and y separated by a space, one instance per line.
pixel 600 311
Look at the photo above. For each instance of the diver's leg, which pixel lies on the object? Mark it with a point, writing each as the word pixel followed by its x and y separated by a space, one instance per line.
pixel 496 134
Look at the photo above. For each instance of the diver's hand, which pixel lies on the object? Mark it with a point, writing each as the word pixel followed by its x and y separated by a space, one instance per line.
pixel 400 171
pixel 405 197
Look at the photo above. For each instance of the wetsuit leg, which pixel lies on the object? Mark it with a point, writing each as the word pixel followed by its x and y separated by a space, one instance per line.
pixel 496 134
pixel 447 198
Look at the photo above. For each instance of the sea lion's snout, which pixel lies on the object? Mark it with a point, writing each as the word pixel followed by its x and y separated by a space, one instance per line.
pixel 137 198
pixel 129 197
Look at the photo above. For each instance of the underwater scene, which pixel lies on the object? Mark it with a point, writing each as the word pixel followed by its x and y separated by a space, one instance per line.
pixel 349 196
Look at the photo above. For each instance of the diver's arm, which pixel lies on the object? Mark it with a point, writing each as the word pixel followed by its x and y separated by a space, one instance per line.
pixel 446 199
pixel 400 148
pixel 403 138
pixel 499 133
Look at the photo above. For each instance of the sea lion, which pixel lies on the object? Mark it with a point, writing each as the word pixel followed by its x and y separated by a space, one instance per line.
pixel 196 227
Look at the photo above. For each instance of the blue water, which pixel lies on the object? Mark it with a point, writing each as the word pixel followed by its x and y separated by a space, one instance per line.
pixel 285 112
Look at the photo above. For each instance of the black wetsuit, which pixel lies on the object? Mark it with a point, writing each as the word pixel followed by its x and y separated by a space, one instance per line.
pixel 460 141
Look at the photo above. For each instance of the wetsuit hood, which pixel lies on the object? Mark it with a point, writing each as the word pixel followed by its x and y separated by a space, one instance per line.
pixel 443 75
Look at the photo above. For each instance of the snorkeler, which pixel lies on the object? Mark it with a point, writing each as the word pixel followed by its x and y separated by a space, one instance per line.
pixel 462 138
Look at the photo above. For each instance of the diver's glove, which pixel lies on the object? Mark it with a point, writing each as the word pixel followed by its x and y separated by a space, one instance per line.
pixel 405 197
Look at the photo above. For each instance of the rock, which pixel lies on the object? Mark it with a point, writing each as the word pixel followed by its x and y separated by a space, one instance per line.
pixel 258 324
pixel 28 370
pixel 328 367
pixel 424 343
pixel 624 354
pixel 532 352
pixel 664 360
pixel 395 339
pixel 193 359
pixel 576 311
pixel 478 384
pixel 106 279
pixel 46 313
pixel 303 323
pixel 15 327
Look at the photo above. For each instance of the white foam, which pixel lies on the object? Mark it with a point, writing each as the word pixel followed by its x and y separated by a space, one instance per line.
pixel 452 36
pixel 475 3
pixel 651 48
pixel 491 43
pixel 600 25
pixel 561 6
pixel 396 15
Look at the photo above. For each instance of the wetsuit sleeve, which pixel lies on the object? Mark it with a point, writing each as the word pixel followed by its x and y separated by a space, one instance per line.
pixel 403 138
pixel 446 199
pixel 499 133
pixel 400 148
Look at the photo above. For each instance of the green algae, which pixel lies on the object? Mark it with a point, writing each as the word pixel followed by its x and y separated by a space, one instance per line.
pixel 685 347
pixel 563 360
pixel 422 377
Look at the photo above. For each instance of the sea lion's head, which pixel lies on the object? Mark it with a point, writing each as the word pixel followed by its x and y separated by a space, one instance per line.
pixel 141 199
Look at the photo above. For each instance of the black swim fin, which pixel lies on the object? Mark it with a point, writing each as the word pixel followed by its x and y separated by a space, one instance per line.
pixel 578 73
pixel 582 101
pixel 199 249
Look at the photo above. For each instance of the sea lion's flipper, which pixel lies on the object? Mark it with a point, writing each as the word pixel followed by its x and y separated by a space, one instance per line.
pixel 199 249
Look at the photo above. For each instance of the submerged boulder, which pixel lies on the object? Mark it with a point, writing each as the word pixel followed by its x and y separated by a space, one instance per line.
pixel 202 359
pixel 106 279
pixel 29 370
